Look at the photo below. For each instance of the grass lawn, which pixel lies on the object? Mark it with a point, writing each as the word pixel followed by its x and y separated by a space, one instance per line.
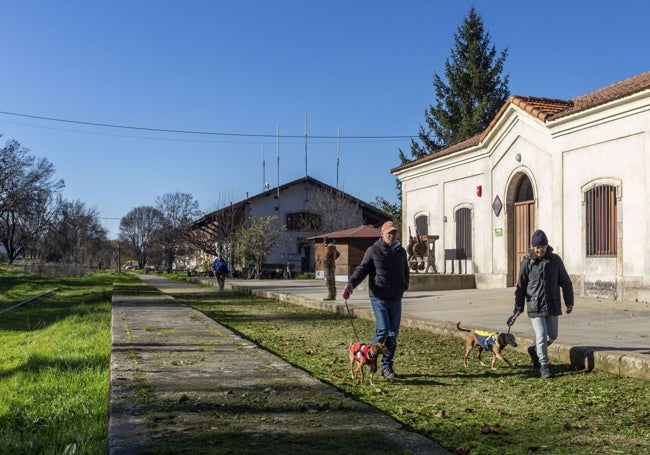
pixel 54 363
pixel 473 410
pixel 54 372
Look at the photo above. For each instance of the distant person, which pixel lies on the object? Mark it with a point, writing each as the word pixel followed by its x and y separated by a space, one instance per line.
pixel 289 271
pixel 220 270
pixel 385 263
pixel 541 275
pixel 331 255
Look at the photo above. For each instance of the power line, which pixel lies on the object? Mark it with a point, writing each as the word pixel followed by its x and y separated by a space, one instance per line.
pixel 210 133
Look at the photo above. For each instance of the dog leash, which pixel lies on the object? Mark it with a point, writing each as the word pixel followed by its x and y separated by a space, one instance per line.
pixel 511 320
pixel 351 320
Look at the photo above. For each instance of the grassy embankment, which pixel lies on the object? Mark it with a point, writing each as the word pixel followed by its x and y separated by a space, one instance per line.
pixel 54 363
pixel 473 410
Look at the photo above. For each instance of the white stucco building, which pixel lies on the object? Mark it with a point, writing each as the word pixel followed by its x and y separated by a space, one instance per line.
pixel 303 207
pixel 578 169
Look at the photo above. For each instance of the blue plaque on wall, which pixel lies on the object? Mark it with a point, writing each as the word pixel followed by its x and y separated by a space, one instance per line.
pixel 497 205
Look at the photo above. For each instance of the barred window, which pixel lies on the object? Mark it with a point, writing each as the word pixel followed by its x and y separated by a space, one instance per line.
pixel 422 225
pixel 304 221
pixel 600 204
pixel 464 231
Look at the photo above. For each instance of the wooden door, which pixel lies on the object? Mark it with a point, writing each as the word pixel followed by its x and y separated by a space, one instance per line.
pixel 524 228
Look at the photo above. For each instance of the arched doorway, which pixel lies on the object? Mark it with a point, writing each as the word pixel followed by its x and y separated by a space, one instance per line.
pixel 522 224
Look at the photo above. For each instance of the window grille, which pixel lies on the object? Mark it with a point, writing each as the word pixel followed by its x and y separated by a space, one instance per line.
pixel 464 231
pixel 304 221
pixel 422 225
pixel 600 223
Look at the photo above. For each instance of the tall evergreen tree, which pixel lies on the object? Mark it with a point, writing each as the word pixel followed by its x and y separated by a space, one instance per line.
pixel 473 95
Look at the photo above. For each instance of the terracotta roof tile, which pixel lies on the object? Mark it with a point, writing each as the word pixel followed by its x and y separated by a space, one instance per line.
pixel 474 140
pixel 607 94
pixel 540 108
pixel 545 109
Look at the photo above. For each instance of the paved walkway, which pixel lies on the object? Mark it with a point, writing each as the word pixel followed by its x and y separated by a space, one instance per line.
pixel 180 381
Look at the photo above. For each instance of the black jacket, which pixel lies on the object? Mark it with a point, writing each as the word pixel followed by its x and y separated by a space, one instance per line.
pixel 387 269
pixel 540 280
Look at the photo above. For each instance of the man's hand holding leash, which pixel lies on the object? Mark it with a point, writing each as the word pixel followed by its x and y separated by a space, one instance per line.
pixel 513 318
pixel 347 291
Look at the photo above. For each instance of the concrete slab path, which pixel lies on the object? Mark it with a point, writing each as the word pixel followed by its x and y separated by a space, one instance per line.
pixel 177 375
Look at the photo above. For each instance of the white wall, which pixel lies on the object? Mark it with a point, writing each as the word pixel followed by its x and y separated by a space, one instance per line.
pixel 607 144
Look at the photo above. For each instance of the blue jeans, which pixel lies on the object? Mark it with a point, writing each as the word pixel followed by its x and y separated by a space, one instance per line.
pixel 546 331
pixel 388 314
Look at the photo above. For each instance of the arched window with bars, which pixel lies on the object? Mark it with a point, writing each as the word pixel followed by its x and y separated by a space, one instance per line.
pixel 464 231
pixel 600 220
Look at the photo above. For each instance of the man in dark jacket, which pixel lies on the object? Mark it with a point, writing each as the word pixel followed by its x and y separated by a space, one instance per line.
pixel 386 266
pixel 541 276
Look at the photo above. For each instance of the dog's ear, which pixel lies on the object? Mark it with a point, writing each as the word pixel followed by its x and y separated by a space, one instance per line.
pixel 507 339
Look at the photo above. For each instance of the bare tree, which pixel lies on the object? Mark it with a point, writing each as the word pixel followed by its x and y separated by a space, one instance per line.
pixel 138 228
pixel 76 235
pixel 256 238
pixel 329 210
pixel 178 210
pixel 27 189
pixel 216 233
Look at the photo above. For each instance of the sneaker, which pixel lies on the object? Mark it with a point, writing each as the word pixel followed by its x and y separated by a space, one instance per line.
pixel 532 352
pixel 389 374
pixel 545 371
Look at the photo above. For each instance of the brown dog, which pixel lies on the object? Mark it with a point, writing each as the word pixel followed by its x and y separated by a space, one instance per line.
pixel 495 342
pixel 365 354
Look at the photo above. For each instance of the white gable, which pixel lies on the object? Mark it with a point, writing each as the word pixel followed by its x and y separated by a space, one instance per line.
pixel 562 159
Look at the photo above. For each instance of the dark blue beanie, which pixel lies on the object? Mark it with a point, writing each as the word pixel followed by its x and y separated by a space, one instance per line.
pixel 539 238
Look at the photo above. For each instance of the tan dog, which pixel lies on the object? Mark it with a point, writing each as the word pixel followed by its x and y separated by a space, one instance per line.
pixel 365 354
pixel 495 342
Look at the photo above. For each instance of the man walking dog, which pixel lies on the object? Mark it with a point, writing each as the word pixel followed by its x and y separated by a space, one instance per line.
pixel 386 266
pixel 541 276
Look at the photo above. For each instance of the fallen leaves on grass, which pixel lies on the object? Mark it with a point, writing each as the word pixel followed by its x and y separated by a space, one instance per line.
pixel 491 429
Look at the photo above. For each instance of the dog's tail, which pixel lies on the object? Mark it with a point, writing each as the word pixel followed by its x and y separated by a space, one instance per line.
pixel 460 328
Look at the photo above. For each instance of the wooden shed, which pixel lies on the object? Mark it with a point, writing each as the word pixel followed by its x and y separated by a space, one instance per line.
pixel 351 243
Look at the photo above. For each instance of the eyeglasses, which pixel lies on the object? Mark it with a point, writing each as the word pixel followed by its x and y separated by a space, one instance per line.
pixel 541 247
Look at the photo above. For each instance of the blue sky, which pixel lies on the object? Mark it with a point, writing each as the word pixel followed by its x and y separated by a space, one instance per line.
pixel 251 68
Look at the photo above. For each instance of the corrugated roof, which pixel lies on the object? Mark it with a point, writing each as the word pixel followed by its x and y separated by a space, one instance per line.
pixel 359 232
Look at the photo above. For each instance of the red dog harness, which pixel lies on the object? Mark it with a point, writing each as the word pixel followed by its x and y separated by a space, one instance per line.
pixel 362 351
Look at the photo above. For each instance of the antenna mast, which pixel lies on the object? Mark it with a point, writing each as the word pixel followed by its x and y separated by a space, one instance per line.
pixel 338 148
pixel 278 191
